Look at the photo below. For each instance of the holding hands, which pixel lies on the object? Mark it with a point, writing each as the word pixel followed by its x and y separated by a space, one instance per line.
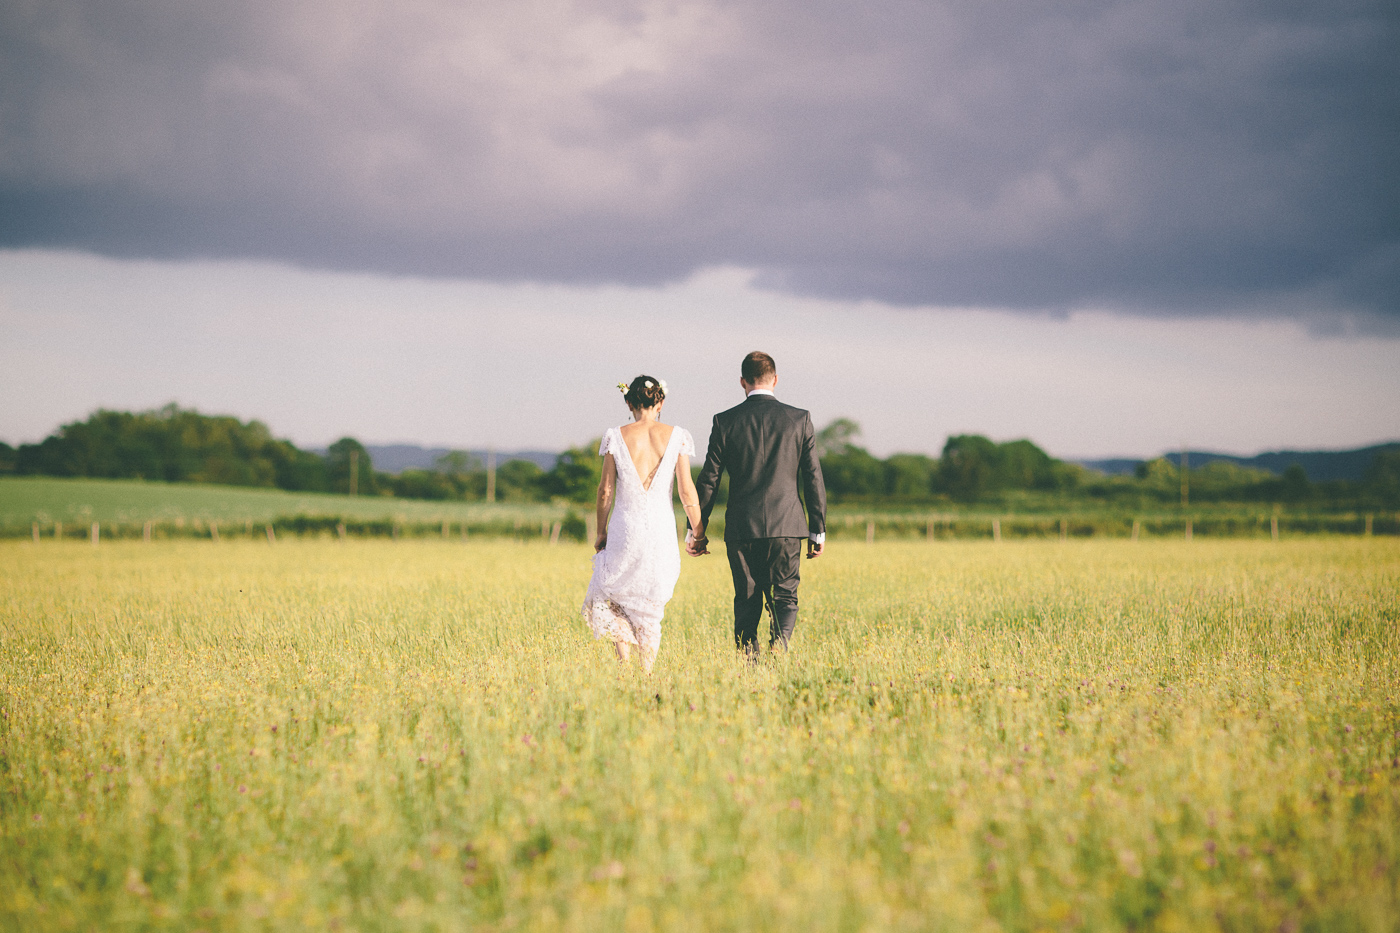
pixel 696 546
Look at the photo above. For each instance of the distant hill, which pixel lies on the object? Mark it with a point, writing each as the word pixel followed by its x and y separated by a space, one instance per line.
pixel 395 458
pixel 1322 466
pixel 1116 466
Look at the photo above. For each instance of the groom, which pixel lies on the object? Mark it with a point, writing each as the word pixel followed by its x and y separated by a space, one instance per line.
pixel 768 449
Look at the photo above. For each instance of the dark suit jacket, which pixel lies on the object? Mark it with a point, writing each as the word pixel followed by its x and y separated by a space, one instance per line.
pixel 768 449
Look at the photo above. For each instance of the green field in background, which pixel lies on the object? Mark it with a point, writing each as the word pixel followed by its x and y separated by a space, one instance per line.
pixel 420 735
pixel 123 506
pixel 24 500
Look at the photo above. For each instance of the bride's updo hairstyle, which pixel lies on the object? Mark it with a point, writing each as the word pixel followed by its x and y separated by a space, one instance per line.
pixel 644 392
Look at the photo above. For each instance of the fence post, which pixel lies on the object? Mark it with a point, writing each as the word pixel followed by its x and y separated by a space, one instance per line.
pixel 1369 518
pixel 869 532
pixel 214 530
pixel 1064 529
pixel 36 532
pixel 996 529
pixel 340 530
pixel 929 533
pixel 1137 527
pixel 446 530
pixel 58 531
pixel 1273 527
pixel 590 524
pixel 1188 529
pixel 94 534
pixel 554 532
pixel 271 535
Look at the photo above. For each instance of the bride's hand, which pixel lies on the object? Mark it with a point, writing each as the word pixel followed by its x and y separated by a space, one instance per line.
pixel 600 543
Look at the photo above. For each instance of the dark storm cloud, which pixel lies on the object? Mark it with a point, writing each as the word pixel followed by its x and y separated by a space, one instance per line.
pixel 1184 157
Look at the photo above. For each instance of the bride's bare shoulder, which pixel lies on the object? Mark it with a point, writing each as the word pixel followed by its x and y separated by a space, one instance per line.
pixel 649 429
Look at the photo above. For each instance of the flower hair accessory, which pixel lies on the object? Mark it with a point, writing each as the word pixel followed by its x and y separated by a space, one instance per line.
pixel 624 388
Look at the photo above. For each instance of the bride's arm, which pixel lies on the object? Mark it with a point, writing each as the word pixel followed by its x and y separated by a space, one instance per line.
pixel 607 486
pixel 690 499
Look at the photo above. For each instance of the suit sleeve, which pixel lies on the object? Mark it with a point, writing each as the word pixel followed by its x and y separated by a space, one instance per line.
pixel 809 469
pixel 707 486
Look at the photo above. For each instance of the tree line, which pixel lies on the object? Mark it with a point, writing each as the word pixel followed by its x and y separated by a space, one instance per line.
pixel 174 444
pixel 181 445
pixel 973 468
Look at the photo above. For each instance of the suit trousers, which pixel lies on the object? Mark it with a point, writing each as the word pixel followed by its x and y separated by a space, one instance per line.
pixel 764 570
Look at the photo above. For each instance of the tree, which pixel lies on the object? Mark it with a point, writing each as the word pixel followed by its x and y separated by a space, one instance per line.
pixel 853 471
pixel 423 484
pixel 576 473
pixel 171 444
pixel 338 462
pixel 1022 465
pixel 836 437
pixel 969 466
pixel 299 470
pixel 909 476
pixel 522 481
pixel 457 463
pixel 1295 483
pixel 1382 480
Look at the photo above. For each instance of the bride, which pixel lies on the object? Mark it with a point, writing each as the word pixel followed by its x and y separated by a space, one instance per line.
pixel 638 559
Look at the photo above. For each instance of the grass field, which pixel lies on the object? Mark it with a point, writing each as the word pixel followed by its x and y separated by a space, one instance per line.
pixel 122 507
pixel 78 502
pixel 418 735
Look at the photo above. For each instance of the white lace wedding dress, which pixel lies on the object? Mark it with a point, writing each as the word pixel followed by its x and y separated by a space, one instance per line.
pixel 635 575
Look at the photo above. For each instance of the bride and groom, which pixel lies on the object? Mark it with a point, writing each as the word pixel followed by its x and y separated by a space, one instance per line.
pixel 769 450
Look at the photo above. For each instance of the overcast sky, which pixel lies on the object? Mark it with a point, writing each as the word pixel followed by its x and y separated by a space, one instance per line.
pixel 1108 226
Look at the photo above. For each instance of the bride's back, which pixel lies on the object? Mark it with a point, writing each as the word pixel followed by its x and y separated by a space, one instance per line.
pixel 646 444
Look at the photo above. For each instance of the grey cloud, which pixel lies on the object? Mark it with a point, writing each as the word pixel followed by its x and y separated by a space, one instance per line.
pixel 1184 157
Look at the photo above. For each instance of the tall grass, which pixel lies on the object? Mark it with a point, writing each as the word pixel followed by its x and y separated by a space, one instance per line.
pixel 420 736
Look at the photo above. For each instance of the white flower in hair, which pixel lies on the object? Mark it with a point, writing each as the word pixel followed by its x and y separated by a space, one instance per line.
pixel 649 383
pixel 662 383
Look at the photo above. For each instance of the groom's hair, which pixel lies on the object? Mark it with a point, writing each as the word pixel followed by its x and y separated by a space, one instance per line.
pixel 758 367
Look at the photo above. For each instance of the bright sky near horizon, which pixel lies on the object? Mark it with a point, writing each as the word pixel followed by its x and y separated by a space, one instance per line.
pixel 317 355
pixel 1111 227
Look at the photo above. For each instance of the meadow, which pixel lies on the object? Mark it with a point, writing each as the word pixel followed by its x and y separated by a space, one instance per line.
pixel 135 509
pixel 123 506
pixel 383 735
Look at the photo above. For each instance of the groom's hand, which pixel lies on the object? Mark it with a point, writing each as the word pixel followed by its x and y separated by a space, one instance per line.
pixel 814 549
